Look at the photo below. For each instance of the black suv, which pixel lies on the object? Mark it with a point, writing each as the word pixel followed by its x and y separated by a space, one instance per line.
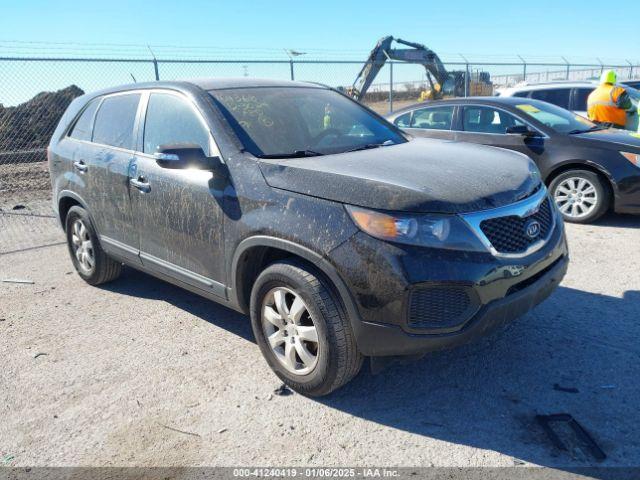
pixel 341 237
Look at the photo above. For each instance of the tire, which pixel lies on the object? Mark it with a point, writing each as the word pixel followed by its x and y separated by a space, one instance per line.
pixel 93 265
pixel 591 197
pixel 337 359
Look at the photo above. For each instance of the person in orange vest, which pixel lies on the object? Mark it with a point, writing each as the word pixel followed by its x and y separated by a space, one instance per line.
pixel 608 104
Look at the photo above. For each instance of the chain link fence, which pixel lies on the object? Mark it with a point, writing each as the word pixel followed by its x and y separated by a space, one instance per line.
pixel 34 92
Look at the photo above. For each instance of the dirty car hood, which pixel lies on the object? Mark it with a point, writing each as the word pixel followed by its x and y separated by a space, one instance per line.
pixel 422 175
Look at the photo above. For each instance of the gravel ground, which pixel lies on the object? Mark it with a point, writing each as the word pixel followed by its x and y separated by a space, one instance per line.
pixel 138 372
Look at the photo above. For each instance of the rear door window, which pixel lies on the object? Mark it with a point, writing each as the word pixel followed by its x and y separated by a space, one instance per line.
pixel 115 121
pixel 433 118
pixel 557 96
pixel 523 94
pixel 82 129
pixel 487 120
pixel 170 120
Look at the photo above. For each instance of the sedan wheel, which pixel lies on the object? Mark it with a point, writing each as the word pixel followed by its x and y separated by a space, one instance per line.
pixel 576 197
pixel 290 330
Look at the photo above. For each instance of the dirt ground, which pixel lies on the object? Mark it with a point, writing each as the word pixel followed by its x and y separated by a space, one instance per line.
pixel 139 373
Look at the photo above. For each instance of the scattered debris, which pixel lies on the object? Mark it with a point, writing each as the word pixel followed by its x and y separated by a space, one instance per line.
pixel 517 462
pixel 574 436
pixel 560 388
pixel 179 431
pixel 17 280
pixel 222 430
pixel 7 458
pixel 138 402
pixel 3 319
pixel 19 207
pixel 283 391
pixel 269 397
pixel 40 354
pixel 193 405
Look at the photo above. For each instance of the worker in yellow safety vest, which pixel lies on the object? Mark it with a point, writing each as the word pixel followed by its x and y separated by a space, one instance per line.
pixel 608 104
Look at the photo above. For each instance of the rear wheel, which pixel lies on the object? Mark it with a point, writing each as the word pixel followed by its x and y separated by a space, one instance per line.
pixel 302 330
pixel 580 195
pixel 89 260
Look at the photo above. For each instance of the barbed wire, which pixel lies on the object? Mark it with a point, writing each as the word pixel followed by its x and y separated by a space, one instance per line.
pixel 28 48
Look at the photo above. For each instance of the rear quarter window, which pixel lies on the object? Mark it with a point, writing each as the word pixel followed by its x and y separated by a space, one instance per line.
pixel 115 121
pixel 403 121
pixel 83 126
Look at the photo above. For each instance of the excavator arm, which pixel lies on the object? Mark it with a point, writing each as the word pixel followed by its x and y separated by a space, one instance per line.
pixel 417 54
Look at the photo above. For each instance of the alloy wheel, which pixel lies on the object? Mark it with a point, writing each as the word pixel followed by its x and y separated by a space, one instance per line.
pixel 576 197
pixel 82 246
pixel 290 330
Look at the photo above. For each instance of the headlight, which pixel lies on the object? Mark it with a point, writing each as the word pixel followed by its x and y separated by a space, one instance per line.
pixel 632 157
pixel 436 231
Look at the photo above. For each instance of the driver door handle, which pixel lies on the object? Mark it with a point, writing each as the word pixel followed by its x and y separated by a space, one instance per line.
pixel 140 183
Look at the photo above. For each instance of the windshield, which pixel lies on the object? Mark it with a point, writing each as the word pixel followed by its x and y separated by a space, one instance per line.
pixel 559 119
pixel 300 121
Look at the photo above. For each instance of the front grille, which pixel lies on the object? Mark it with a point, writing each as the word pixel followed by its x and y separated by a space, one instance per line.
pixel 440 306
pixel 508 235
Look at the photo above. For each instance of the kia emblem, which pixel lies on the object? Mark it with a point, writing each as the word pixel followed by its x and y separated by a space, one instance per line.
pixel 532 229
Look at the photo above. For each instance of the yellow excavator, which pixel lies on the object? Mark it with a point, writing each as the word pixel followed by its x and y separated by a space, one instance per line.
pixel 441 83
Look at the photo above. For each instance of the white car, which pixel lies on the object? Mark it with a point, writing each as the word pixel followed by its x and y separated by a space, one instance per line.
pixel 571 95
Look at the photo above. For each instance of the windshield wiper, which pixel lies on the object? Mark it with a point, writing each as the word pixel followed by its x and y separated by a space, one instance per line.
pixel 368 146
pixel 595 128
pixel 294 154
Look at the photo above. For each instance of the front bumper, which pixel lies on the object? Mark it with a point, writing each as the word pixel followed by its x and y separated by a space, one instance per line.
pixel 383 278
pixel 381 340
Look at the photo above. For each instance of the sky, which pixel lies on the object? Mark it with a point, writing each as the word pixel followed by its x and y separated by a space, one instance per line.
pixel 481 30
pixel 483 27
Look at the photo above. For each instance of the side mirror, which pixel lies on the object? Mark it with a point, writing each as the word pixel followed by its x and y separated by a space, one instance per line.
pixel 186 155
pixel 520 130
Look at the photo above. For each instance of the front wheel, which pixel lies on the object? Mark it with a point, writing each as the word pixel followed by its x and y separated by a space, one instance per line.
pixel 580 195
pixel 302 330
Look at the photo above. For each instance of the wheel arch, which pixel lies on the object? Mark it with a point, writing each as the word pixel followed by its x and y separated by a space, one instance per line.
pixel 608 181
pixel 254 253
pixel 66 200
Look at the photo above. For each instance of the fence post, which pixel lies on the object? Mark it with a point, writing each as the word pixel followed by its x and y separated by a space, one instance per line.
pixel 524 68
pixel 630 68
pixel 390 87
pixel 568 67
pixel 155 63
pixel 467 77
pixel 291 67
pixel 390 80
